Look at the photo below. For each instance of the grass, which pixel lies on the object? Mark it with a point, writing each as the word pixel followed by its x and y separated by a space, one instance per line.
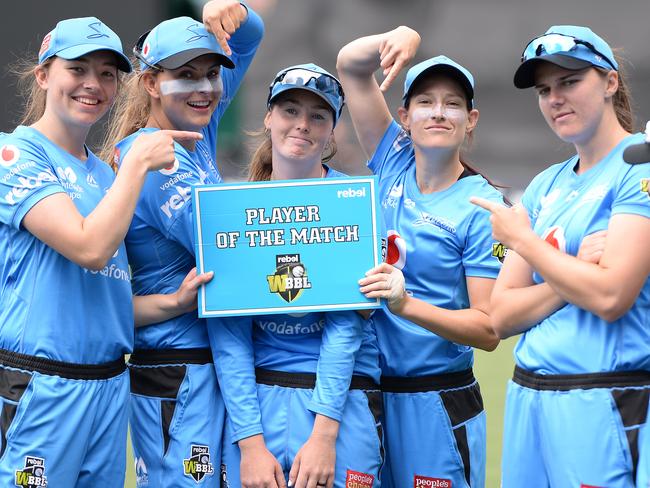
pixel 493 370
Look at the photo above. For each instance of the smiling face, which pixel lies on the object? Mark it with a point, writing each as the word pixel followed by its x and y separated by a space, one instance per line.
pixel 185 98
pixel 437 115
pixel 79 91
pixel 301 125
pixel 574 102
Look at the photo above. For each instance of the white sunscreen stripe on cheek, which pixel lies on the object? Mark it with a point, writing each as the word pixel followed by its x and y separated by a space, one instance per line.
pixel 420 114
pixel 173 87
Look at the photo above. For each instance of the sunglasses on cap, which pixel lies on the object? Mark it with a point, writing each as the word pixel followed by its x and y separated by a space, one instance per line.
pixel 326 84
pixel 557 44
pixel 137 52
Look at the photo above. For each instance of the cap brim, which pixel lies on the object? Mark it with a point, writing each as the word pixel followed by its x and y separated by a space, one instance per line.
pixel 179 59
pixel 74 52
pixel 450 71
pixel 637 154
pixel 525 74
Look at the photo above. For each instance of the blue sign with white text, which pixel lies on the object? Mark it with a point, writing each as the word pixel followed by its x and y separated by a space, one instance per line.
pixel 286 246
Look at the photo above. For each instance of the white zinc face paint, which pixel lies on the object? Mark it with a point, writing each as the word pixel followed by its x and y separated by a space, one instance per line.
pixel 456 114
pixel 182 86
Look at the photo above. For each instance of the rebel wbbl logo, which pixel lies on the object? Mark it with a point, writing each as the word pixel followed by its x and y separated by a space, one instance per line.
pixel 290 277
pixel 198 465
pixel 33 474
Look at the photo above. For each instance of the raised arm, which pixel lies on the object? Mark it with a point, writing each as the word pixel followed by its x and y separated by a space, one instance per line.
pixel 356 65
pixel 90 241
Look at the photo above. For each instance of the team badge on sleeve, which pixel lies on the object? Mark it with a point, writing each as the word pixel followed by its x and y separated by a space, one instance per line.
pixel 33 474
pixel 198 465
pixel 9 154
pixel 645 186
pixel 499 251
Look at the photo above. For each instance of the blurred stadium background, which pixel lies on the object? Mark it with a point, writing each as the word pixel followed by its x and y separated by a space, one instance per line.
pixel 512 142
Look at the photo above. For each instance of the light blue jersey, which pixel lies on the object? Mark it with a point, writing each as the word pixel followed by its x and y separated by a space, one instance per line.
pixel 334 345
pixel 160 241
pixel 50 306
pixel 564 207
pixel 437 240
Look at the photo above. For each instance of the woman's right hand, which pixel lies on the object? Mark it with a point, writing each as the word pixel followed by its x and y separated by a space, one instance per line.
pixel 259 468
pixel 396 50
pixel 155 150
pixel 592 247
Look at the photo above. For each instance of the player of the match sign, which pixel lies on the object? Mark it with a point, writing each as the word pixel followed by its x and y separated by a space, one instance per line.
pixel 286 246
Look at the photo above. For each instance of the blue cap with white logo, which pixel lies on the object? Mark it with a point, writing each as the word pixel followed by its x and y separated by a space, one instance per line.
pixel 73 38
pixel 177 41
pixel 312 78
pixel 444 65
pixel 569 46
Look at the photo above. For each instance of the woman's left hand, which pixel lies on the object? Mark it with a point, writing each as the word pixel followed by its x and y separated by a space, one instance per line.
pixel 385 281
pixel 510 225
pixel 313 466
pixel 223 18
pixel 188 290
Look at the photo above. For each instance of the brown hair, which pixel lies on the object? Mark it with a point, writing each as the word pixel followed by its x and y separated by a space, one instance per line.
pixel 32 95
pixel 622 99
pixel 129 114
pixel 261 164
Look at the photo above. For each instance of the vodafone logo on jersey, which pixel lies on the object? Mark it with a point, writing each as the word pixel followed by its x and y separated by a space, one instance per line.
pixel 555 237
pixel 9 154
pixel 171 169
pixel 427 482
pixel 396 252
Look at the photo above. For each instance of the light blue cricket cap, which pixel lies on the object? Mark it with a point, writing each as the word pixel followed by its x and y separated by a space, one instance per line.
pixel 443 65
pixel 313 78
pixel 177 41
pixel 578 57
pixel 73 38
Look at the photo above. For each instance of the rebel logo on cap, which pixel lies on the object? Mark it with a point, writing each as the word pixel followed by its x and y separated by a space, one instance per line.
pixel 9 154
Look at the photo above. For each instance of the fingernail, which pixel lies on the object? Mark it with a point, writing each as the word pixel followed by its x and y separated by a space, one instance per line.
pixel 290 483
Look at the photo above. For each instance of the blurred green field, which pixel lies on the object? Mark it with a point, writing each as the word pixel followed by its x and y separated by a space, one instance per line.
pixel 493 371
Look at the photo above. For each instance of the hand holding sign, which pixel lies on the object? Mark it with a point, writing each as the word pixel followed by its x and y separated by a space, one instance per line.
pixel 509 224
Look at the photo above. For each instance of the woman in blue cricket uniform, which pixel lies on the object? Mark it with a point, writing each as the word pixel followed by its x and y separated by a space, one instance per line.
pixel 577 407
pixel 66 318
pixel 303 400
pixel 441 261
pixel 189 73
